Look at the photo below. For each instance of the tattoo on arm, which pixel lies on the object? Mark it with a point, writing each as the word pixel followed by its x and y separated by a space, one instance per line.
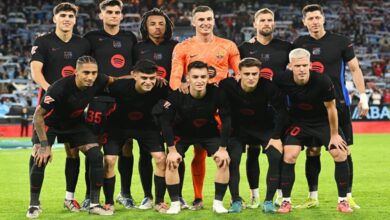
pixel 39 124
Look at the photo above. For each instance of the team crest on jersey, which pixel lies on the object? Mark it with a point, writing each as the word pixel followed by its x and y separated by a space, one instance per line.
pixel 264 57
pixel 157 56
pixel 117 44
pixel 220 55
pixel 34 50
pixel 68 55
pixel 316 51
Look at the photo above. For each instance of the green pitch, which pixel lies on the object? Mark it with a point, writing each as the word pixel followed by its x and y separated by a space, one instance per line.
pixel 371 180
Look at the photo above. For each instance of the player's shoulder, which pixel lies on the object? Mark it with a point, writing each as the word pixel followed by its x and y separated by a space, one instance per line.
pixel 77 38
pixel 46 37
pixel 301 39
pixel 224 42
pixel 93 33
pixel 186 42
pixel 245 44
pixel 127 33
pixel 227 83
pixel 281 42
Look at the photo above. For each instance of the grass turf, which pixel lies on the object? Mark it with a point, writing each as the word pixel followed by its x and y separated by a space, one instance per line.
pixel 370 187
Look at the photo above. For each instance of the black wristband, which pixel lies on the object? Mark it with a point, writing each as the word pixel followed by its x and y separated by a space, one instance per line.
pixel 44 143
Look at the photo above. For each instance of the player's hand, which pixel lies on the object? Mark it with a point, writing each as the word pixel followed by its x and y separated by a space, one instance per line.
pixel 336 141
pixel 160 82
pixel 363 105
pixel 276 143
pixel 221 157
pixel 43 156
pixel 184 88
pixel 173 159
pixel 252 40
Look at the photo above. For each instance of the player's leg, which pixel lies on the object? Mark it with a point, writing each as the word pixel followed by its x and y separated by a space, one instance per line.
pixel 125 167
pixel 312 171
pixel 253 174
pixel 159 180
pixel 198 171
pixel 235 149
pixel 274 156
pixel 172 178
pixel 290 155
pixel 145 168
pixel 72 169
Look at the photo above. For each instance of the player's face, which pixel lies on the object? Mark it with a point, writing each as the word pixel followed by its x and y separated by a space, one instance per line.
pixel 264 24
pixel 203 22
pixel 86 74
pixel 156 26
pixel 198 78
pixel 111 15
pixel 249 76
pixel 145 82
pixel 314 21
pixel 65 21
pixel 300 68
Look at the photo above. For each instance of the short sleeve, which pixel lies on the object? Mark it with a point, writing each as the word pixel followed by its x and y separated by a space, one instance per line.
pixel 39 50
pixel 327 88
pixel 51 97
pixel 347 52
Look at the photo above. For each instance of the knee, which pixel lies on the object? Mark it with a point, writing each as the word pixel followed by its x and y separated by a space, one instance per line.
pixel 109 162
pixel 273 154
pixel 127 149
pixel 290 158
pixel 313 151
pixel 71 152
pixel 338 155
pixel 94 155
pixel 160 161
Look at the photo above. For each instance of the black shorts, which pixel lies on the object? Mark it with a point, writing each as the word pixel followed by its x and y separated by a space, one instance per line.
pixel 75 138
pixel 149 141
pixel 211 145
pixel 305 135
pixel 98 111
pixel 253 137
pixel 345 122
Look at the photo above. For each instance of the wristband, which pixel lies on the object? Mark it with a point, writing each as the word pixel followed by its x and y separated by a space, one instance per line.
pixel 364 100
pixel 44 143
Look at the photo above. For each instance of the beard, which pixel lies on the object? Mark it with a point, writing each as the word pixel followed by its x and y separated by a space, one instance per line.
pixel 266 33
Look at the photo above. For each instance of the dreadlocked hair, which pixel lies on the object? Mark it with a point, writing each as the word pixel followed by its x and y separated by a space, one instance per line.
pixel 158 12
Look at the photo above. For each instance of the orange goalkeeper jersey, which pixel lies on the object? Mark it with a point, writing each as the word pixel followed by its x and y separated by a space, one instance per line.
pixel 220 53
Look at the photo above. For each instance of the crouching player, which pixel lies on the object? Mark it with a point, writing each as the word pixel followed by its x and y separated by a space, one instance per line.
pixel 132 118
pixel 248 99
pixel 314 119
pixel 188 119
pixel 61 112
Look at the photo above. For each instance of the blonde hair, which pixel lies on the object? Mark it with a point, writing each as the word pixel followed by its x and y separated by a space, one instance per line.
pixel 263 11
pixel 298 53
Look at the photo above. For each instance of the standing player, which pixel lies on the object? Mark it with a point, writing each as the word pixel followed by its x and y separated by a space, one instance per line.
pixel 54 56
pixel 112 48
pixel 249 100
pixel 273 54
pixel 133 118
pixel 61 110
pixel 313 116
pixel 330 53
pixel 156 45
pixel 190 117
pixel 220 54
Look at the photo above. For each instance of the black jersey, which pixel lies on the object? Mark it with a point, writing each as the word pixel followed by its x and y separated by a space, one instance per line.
pixel 195 118
pixel 133 109
pixel 273 56
pixel 306 102
pixel 161 54
pixel 249 109
pixel 113 53
pixel 329 55
pixel 66 111
pixel 58 57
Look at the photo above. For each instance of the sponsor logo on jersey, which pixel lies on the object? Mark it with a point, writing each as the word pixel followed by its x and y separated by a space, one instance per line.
pixel 199 122
pixel 118 61
pixel 266 73
pixel 317 67
pixel 135 116
pixel 67 71
pixel 68 55
pixel 316 51
pixel 157 56
pixel 212 72
pixel 161 72
pixel 117 44
pixel 34 50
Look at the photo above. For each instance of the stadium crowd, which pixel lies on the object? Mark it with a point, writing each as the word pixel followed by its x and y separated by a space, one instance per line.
pixel 364 22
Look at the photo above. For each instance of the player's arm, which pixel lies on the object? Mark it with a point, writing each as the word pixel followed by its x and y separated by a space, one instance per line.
pixel 37 75
pixel 44 151
pixel 335 139
pixel 234 59
pixel 358 79
pixel 178 65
